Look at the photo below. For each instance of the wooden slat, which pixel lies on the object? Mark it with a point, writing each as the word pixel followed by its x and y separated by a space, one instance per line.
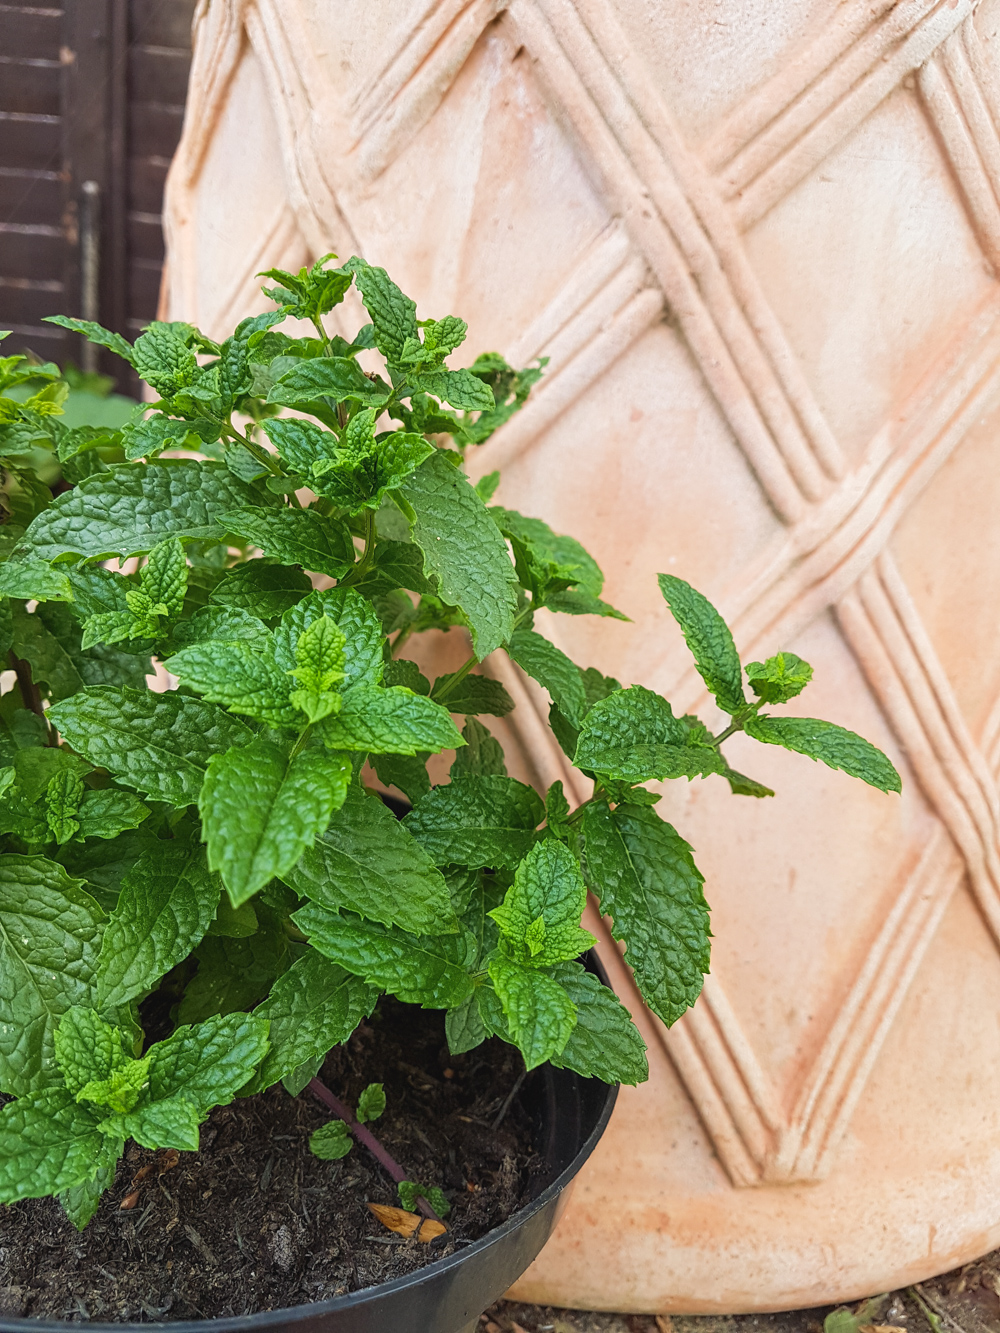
pixel 146 177
pixel 31 253
pixel 29 85
pixel 30 141
pixel 30 196
pixel 144 289
pixel 32 32
pixel 158 23
pixel 27 303
pixel 154 129
pixel 145 237
pixel 159 74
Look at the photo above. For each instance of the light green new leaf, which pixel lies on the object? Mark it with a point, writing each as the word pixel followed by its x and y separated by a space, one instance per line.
pixel 835 746
pixel 477 821
pixel 539 917
pixel 429 970
pixel 367 862
pixel 297 537
pixel 356 619
pixel 463 550
pixel 164 577
pixel 86 1048
pixel 166 904
pixel 128 510
pixel 260 811
pixel 158 743
pixel 459 388
pixel 780 678
pixel 539 1012
pixel 645 877
pixel 331 1141
pixel 48 1143
pixel 208 1064
pixel 34 579
pixel 171 1123
pixel 605 1043
pixel 80 1202
pixel 553 670
pixel 392 313
pixel 312 1007
pixel 708 637
pixel 50 933
pixel 391 720
pixel 244 678
pixel 371 1103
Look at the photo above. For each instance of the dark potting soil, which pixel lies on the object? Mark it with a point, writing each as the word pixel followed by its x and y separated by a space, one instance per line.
pixel 253 1221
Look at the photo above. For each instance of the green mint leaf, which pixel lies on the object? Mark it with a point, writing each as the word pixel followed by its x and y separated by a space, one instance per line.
pixel 312 1007
pixel 234 974
pixel 208 1064
pixel 331 1141
pixel 405 771
pixel 297 537
pixel 319 669
pixel 410 1191
pixel 309 293
pixel 463 550
pixel 221 624
pixel 48 1143
pixel 557 811
pixel 475 694
pixel 390 720
pixel 120 1091
pixel 333 378
pixel 482 755
pixel 780 678
pixel 260 810
pixel 367 862
pixel 539 918
pixel 539 1012
pixel 397 564
pixel 548 561
pixel 486 486
pixel 104 864
pixel 553 670
pixel 707 636
pixel 158 743
pixel 645 877
pixel 145 436
pixel 302 443
pixel 244 679
pixel 128 510
pixel 86 1048
pixel 164 358
pixel 477 821
pixel 429 970
pixel 393 315
pixel 356 619
pixel 233 922
pixel 459 388
pixel 464 1028
pixel 34 579
pixel 576 602
pixel 371 1104
pixel 50 933
pixel 107 812
pixel 51 664
pixel 835 746
pixel 80 1202
pixel 94 333
pixel 165 576
pixel 398 671
pixel 744 786
pixel 171 1123
pixel 167 902
pixel 261 589
pixel 633 736
pixel 62 804
pixel 605 1043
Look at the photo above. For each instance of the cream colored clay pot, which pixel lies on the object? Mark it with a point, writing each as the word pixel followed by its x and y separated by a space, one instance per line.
pixel 757 241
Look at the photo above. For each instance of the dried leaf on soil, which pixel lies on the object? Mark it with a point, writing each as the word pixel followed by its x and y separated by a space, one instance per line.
pixel 407 1224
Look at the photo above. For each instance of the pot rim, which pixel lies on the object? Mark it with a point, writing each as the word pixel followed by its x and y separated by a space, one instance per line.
pixel 288 1314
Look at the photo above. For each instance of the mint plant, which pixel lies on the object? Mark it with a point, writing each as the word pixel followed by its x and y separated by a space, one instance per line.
pixel 273 530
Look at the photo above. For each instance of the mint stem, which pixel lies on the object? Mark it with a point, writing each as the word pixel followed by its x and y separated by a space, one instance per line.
pixel 364 1136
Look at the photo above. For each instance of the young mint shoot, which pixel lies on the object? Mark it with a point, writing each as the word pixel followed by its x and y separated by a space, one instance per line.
pixel 277 566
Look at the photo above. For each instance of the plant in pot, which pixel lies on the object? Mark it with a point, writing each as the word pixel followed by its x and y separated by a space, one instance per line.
pixel 201 895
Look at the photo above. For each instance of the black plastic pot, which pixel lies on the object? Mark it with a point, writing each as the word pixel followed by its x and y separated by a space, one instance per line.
pixel 446 1296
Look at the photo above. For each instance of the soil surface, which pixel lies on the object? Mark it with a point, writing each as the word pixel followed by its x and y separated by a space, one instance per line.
pixel 253 1221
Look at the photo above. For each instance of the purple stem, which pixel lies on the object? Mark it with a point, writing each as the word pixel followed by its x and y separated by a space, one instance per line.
pixel 364 1136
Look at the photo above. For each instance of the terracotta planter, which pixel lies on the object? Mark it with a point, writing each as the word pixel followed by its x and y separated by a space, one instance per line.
pixel 758 243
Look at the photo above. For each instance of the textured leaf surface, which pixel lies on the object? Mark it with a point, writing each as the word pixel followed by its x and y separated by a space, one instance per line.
pixel 260 811
pixel 336 377
pixel 51 663
pixel 50 933
pixel 261 589
pixel 34 579
pixel 482 755
pixel 553 670
pixel 708 637
pixel 541 911
pixel 244 678
pixel 106 812
pixel 463 550
pixel 390 721
pixel 427 970
pixel 392 313
pixel 331 1141
pixel 297 537
pixel 48 1143
pixel 130 509
pixel 207 1064
pixel 539 1012
pixel 605 1043
pixel 313 1007
pixel 633 736
pixel 464 1028
pixel 477 821
pixel 476 694
pixel 167 901
pixel 158 743
pixel 835 746
pixel 86 1048
pixel 367 862
pixel 356 619
pixel 647 882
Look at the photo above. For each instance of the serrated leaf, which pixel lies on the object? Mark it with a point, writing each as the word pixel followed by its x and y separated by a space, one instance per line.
pixel 234 974
pixel 260 810
pixel 86 1048
pixel 208 1064
pixel 645 877
pixel 539 918
pixel 81 1202
pixel 464 1027
pixel 34 580
pixel 543 547
pixel 301 443
pixel 221 624
pixel 390 720
pixel 539 1012
pixel 50 933
pixel 261 589
pixel 463 550
pixel 51 664
pixel 158 743
pixel 48 1143
pixel 605 1043
pixel 94 333
pixel 331 1141
pixel 166 904
pixel 633 736
pixel 553 670
pixel 146 436
pixel 477 821
pixel 130 509
pixel 393 314
pixel 482 755
pixel 165 575
pixel 313 1007
pixel 245 679
pixel 367 862
pixel 474 694
pixel 780 678
pixel 707 636
pixel 835 746
pixel 171 1123
pixel 336 378
pixel 459 388
pixel 408 772
pixel 557 811
pixel 429 970
pixel 297 537
pixel 356 619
